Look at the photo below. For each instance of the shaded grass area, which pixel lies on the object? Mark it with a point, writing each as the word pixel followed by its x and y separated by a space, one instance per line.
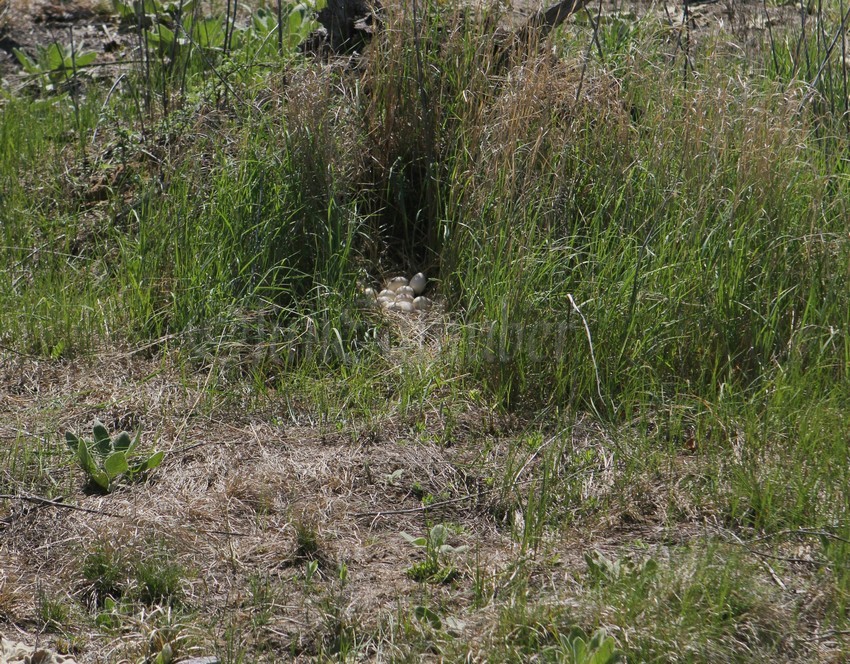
pixel 640 351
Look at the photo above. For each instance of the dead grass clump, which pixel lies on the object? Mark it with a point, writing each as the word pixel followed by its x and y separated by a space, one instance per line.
pixel 15 602
pixel 321 134
pixel 549 94
pixel 249 490
pixel 539 113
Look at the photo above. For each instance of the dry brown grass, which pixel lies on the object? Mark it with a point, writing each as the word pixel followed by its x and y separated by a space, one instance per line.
pixel 227 502
pixel 250 493
pixel 239 487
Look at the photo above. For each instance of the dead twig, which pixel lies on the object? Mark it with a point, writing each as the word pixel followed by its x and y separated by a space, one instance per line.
pixel 767 565
pixel 40 500
pixel 535 31
pixel 800 532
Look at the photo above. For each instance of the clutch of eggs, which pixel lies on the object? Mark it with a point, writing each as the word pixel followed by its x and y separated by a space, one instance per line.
pixel 402 294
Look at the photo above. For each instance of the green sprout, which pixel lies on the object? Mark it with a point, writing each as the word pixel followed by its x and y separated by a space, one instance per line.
pixel 106 460
pixel 434 569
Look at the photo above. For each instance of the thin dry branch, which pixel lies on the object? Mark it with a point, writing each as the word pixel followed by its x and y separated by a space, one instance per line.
pixel 541 24
pixel 534 32
pixel 40 500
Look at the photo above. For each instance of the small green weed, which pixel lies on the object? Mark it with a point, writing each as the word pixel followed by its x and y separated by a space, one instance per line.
pixel 339 633
pixel 306 540
pixel 110 615
pixel 262 599
pixel 54 65
pixel 153 10
pixel 52 611
pixel 310 571
pixel 435 568
pixel 577 648
pixel 149 575
pixel 159 578
pixel 262 35
pixel 604 570
pixel 105 460
pixel 104 569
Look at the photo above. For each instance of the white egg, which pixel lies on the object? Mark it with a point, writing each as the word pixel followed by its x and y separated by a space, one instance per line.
pixel 406 290
pixel 369 292
pixel 422 303
pixel 396 282
pixel 418 283
pixel 385 302
pixel 403 305
pixel 386 293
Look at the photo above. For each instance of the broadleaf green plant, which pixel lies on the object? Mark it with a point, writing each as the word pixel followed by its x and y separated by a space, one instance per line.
pixel 149 10
pixel 434 569
pixel 106 460
pixel 54 64
pixel 577 648
pixel 605 570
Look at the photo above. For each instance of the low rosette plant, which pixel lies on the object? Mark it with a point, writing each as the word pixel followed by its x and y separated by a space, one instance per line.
pixel 105 460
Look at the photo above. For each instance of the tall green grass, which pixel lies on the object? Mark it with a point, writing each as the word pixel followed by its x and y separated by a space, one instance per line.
pixel 697 248
pixel 696 226
pixel 610 236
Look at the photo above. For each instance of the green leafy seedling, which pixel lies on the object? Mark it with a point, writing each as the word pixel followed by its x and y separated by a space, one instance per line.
pixel 54 64
pixel 426 615
pixel 435 568
pixel 577 648
pixel 105 460
pixel 604 570
pixel 147 11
